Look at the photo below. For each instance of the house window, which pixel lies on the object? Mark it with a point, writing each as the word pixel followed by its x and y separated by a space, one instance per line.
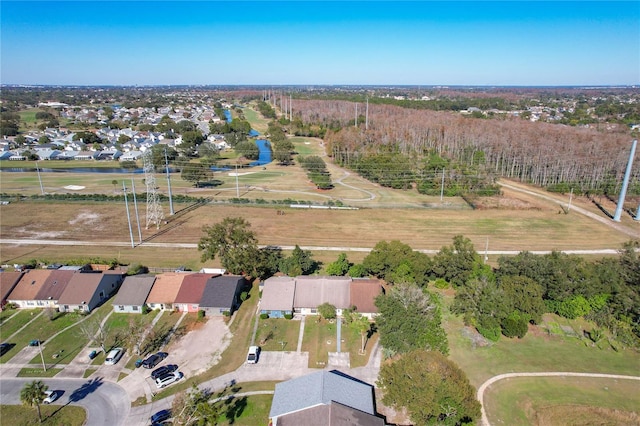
pixel 313 311
pixel 30 303
pixel 194 307
pixel 121 308
pixel 135 308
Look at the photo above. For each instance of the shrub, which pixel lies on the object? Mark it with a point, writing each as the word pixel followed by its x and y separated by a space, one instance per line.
pixel 200 315
pixel 225 313
pixel 327 311
pixel 515 325
pixel 244 295
pixel 288 316
pixel 264 315
pixel 441 283
pixel 489 328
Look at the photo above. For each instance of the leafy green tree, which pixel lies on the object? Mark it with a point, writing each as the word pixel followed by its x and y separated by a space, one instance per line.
pixel 190 142
pixel 193 408
pixel 89 138
pixel 409 318
pixel 196 173
pixel 515 325
pixel 525 295
pixel 386 258
pixel 123 138
pixel 327 311
pixel 340 267
pixel 458 262
pixel 433 389
pixel 483 304
pixel 43 139
pixel 233 241
pixel 247 149
pixel 32 395
pixel 299 263
pixel 268 262
pixel 282 151
pixel 357 271
pixel 363 326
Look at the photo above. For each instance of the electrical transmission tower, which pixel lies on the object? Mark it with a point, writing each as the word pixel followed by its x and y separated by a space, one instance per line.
pixel 154 209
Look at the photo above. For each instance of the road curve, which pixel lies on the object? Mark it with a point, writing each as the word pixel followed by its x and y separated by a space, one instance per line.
pixel 485 385
pixel 107 404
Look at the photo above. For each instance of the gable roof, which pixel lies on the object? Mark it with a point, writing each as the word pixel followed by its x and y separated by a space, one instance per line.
pixel 81 287
pixel 134 290
pixel 30 284
pixel 321 387
pixel 220 292
pixel 8 281
pixel 54 285
pixel 364 293
pixel 192 288
pixel 166 287
pixel 278 294
pixel 334 414
pixel 312 291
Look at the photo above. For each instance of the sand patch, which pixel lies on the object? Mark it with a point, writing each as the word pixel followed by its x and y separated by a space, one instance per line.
pixel 85 218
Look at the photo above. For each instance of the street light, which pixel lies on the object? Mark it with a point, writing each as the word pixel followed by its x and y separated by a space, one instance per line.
pixel 44 366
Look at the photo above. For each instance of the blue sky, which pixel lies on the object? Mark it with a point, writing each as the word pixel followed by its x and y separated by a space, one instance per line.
pixel 271 43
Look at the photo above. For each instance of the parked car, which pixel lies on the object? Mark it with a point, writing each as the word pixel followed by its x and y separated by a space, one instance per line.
pixel 161 416
pixel 168 379
pixel 93 354
pixel 34 342
pixel 253 355
pixel 51 395
pixel 154 359
pixel 163 371
pixel 114 356
pixel 5 347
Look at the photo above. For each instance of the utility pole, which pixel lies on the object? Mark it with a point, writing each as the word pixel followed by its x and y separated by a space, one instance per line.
pixel 366 119
pixel 356 121
pixel 39 179
pixel 486 251
pixel 135 205
pixel 44 366
pixel 166 163
pixel 442 186
pixel 237 188
pixel 126 203
pixel 625 182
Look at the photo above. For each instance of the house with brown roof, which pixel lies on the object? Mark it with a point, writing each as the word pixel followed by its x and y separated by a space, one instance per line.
pixel 133 294
pixel 53 288
pixel 8 281
pixel 313 291
pixel 27 288
pixel 190 294
pixel 277 296
pixel 165 289
pixel 363 293
pixel 87 290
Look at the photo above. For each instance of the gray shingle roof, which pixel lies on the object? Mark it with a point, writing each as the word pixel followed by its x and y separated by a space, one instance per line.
pixel 321 387
pixel 134 290
pixel 220 292
pixel 277 294
pixel 334 414
pixel 312 291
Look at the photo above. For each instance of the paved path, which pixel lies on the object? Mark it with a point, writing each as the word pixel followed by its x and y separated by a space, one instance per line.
pixel 485 385
pixel 301 334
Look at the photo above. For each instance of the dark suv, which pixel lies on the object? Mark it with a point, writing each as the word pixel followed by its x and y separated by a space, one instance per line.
pixel 154 359
pixel 160 416
pixel 164 370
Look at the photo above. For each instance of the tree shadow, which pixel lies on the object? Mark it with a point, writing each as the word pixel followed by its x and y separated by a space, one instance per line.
pixel 233 408
pixel 86 389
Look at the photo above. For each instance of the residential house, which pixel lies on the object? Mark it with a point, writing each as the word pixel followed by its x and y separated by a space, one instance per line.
pixel 324 398
pixel 165 289
pixel 133 294
pixel 8 281
pixel 363 293
pixel 312 291
pixel 27 288
pixel 53 287
pixel 85 155
pixel 277 296
pixel 222 294
pixel 87 290
pixel 191 290
pixel 131 156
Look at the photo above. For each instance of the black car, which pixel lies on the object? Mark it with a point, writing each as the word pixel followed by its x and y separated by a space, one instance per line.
pixel 164 370
pixel 154 359
pixel 4 348
pixel 161 416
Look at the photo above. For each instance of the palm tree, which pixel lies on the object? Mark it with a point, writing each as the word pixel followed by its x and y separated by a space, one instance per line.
pixel 33 394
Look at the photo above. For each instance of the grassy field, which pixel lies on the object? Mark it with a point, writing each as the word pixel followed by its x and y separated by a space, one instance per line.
pixel 52 415
pixel 272 331
pixel 551 401
pixel 247 411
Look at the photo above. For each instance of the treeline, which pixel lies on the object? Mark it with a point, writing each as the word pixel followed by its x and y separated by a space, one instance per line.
pixel 316 171
pixel 587 160
pixel 505 300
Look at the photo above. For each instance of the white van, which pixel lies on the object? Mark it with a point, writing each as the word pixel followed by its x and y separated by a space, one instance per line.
pixel 254 353
pixel 114 356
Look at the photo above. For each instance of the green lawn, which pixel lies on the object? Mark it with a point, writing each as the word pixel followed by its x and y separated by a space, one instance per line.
pixel 352 342
pixel 6 314
pixel 62 348
pixel 527 400
pixel 273 331
pixel 246 411
pixel 10 326
pixel 38 372
pixel 52 415
pixel 319 339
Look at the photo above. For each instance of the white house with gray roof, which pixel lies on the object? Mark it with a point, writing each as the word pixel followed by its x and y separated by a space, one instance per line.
pixel 133 294
pixel 277 296
pixel 312 291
